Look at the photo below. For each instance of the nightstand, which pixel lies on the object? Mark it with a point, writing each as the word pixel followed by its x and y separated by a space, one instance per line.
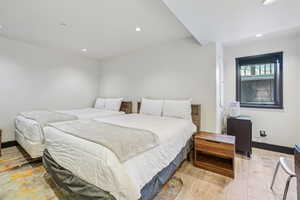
pixel 215 152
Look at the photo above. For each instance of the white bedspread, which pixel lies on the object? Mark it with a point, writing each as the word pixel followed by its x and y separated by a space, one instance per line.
pixel 32 132
pixel 99 166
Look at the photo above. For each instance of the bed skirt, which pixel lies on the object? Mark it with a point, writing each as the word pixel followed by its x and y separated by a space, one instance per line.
pixel 83 190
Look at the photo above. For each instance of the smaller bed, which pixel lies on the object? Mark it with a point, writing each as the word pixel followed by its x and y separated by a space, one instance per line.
pixel 29 133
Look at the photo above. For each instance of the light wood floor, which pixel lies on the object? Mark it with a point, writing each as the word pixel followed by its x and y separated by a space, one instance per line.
pixel 252 182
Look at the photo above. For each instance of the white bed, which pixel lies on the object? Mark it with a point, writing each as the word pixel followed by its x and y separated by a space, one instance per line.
pixel 29 133
pixel 99 166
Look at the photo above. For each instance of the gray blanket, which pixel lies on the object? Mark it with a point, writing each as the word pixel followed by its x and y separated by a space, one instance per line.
pixel 124 142
pixel 44 117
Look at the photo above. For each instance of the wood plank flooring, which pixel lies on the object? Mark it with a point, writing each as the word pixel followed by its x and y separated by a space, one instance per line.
pixel 252 182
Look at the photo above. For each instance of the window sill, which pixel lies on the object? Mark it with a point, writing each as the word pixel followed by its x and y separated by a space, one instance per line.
pixel 277 107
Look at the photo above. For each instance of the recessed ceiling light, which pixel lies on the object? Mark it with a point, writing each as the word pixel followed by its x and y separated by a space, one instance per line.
pixel 268 2
pixel 84 50
pixel 138 29
pixel 259 35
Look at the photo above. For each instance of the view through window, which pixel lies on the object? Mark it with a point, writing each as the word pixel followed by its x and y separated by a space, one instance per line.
pixel 259 81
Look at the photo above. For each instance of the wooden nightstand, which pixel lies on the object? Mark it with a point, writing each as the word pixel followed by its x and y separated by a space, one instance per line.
pixel 215 152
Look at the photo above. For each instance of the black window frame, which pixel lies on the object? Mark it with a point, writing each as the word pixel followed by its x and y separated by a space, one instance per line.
pixel 278 87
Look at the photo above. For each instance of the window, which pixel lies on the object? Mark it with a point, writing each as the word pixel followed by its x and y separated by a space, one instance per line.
pixel 259 81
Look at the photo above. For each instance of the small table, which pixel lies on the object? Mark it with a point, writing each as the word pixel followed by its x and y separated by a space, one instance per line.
pixel 215 152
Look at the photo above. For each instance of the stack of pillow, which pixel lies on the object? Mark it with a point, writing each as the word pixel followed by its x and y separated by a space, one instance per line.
pixel 113 104
pixel 167 108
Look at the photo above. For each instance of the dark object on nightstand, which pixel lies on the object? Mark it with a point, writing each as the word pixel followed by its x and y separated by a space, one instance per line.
pixel 0 140
pixel 241 128
pixel 215 152
pixel 297 169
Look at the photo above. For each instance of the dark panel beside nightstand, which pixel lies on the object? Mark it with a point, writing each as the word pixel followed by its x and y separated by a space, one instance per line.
pixel 241 128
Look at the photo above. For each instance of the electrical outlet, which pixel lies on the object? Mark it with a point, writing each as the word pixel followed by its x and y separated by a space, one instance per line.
pixel 262 133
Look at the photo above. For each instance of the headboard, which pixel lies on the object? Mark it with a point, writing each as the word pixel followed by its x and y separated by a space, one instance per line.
pixel 126 106
pixel 196 114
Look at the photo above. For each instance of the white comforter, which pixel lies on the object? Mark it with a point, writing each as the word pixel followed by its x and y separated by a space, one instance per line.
pixel 30 135
pixel 99 166
pixel 32 130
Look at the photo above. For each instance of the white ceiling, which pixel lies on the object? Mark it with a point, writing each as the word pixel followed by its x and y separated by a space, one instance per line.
pixel 107 27
pixel 231 20
pixel 104 27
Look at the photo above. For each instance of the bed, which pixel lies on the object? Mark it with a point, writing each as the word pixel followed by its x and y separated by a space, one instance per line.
pixel 93 171
pixel 29 132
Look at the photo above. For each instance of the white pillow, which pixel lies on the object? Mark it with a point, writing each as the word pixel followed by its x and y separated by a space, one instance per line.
pixel 177 108
pixel 151 107
pixel 113 104
pixel 100 103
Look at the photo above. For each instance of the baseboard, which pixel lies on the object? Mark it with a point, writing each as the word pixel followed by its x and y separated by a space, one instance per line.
pixel 9 144
pixel 272 147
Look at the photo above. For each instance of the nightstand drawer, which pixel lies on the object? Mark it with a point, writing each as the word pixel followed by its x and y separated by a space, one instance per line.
pixel 214 147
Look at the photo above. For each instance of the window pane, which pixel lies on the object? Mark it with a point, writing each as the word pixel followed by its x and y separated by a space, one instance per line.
pixel 242 71
pixel 257 70
pixel 268 69
pixel 272 68
pixel 248 70
pixel 262 69
pixel 258 88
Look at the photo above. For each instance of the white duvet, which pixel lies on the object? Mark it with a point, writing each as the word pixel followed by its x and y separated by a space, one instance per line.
pixel 32 134
pixel 99 166
pixel 32 130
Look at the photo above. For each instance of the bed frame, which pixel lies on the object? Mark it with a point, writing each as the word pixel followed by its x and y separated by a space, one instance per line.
pixel 196 114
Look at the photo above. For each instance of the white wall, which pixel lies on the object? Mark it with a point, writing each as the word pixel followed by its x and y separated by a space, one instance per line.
pixel 282 126
pixel 176 70
pixel 36 78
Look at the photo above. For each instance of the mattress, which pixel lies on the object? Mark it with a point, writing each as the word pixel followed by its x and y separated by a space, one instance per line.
pixel 30 129
pixel 99 166
pixel 32 134
pixel 80 189
pixel 33 148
